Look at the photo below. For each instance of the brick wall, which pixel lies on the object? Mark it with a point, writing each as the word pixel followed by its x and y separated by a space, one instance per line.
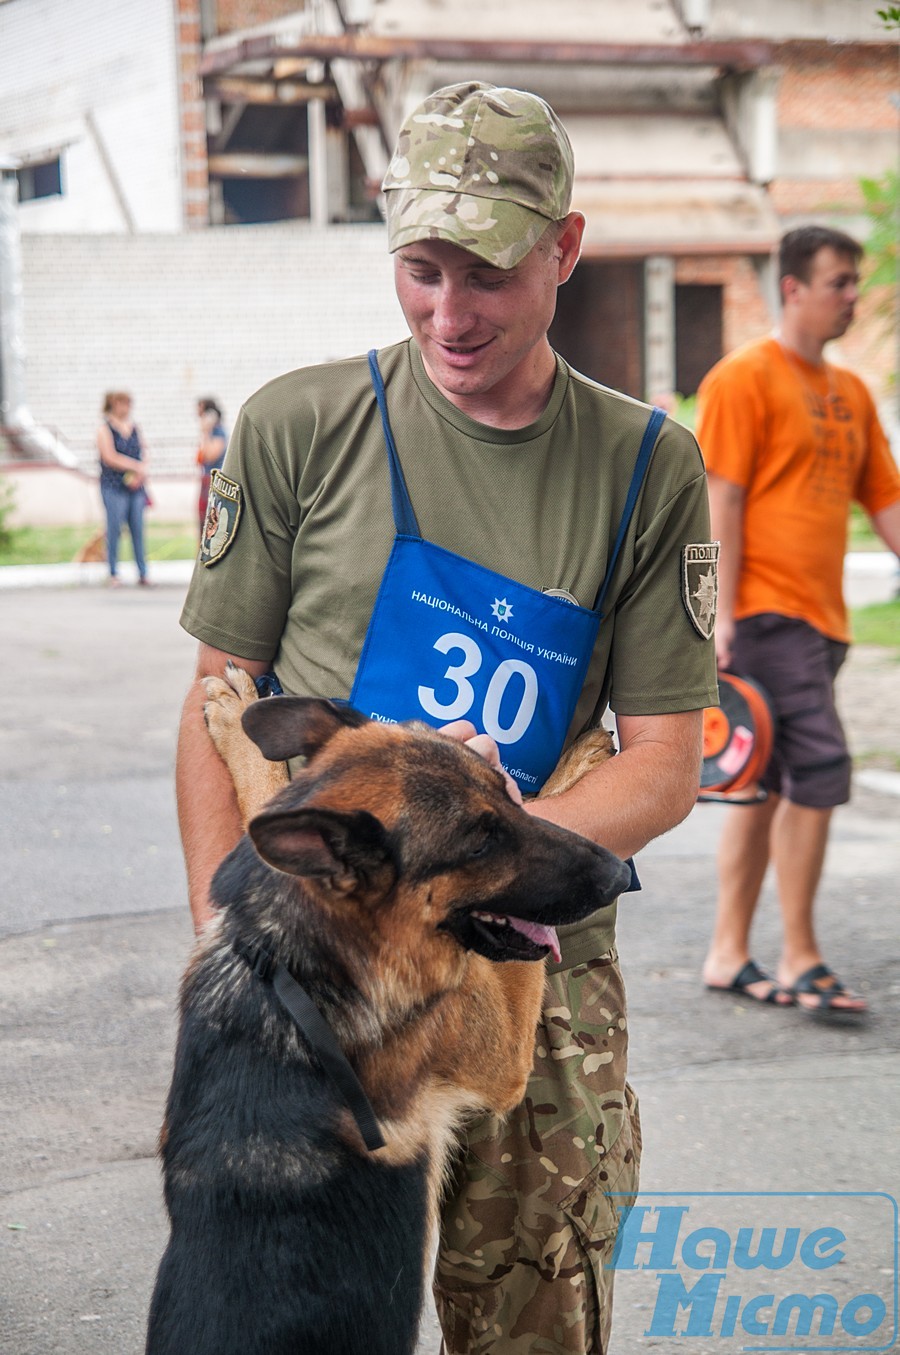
pixel 191 115
pixel 232 15
pixel 834 87
pixel 836 122
pixel 171 318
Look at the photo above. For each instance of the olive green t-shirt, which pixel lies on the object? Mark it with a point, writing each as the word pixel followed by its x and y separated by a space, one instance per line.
pixel 298 579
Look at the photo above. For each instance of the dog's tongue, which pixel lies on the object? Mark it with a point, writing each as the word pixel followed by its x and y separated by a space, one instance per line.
pixel 541 936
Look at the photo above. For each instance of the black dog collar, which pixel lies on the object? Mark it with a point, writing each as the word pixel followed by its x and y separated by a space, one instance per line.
pixel 304 1012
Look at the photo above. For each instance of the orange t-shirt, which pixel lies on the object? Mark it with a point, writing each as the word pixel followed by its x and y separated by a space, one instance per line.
pixel 803 442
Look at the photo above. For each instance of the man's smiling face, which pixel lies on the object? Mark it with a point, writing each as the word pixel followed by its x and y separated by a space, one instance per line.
pixel 482 330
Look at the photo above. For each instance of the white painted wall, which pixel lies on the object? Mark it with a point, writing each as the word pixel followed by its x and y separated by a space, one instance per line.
pixel 78 76
pixel 171 318
pixel 782 20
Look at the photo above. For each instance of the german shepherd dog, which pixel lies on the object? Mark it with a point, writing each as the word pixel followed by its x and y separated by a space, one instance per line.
pixel 397 882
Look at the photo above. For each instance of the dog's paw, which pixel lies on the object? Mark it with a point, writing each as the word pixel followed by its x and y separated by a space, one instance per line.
pixel 588 751
pixel 236 681
pixel 226 699
pixel 255 779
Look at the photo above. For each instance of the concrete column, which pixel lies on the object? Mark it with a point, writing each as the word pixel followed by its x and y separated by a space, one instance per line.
pixel 338 174
pixel 318 162
pixel 31 440
pixel 766 267
pixel 659 326
pixel 12 307
pixel 695 15
pixel 750 104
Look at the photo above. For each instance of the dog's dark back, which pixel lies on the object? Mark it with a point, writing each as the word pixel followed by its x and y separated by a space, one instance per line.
pixel 291 1276
pixel 264 1251
pixel 283 1286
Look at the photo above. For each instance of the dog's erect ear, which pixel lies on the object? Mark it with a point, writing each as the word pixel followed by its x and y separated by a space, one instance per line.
pixel 321 842
pixel 295 726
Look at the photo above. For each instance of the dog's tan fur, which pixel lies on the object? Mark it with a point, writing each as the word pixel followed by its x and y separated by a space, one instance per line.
pixel 473 1048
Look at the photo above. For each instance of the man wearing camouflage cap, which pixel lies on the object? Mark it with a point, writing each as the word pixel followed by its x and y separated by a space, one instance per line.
pixel 581 522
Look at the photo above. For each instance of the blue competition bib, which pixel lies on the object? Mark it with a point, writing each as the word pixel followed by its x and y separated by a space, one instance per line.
pixel 451 640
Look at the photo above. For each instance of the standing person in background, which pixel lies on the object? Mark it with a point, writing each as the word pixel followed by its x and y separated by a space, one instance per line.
pixel 210 449
pixel 123 473
pixel 790 441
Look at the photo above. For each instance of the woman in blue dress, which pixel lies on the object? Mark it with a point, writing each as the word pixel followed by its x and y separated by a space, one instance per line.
pixel 123 471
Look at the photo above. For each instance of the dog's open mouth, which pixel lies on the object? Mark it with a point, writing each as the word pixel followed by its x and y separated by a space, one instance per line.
pixel 513 938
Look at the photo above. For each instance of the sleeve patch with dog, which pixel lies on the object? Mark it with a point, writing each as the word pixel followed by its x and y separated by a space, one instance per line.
pixel 700 584
pixel 223 513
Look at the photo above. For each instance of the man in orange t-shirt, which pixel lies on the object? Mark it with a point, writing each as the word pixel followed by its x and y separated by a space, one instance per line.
pixel 789 442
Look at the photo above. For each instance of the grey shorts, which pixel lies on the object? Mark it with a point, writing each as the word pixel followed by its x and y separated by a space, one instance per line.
pixel 797 666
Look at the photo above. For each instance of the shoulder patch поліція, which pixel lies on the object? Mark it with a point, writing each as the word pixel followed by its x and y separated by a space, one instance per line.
pixel 699 585
pixel 223 513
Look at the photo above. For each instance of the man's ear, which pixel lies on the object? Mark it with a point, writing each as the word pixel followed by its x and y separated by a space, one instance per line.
pixel 789 287
pixel 295 726
pixel 321 843
pixel 568 242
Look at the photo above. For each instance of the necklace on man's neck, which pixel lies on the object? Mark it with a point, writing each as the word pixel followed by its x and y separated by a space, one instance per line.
pixel 800 365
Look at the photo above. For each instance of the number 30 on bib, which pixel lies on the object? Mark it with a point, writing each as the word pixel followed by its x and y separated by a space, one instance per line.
pixel 508 727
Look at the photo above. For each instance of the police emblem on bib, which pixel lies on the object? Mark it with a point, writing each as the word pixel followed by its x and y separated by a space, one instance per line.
pixel 699 585
pixel 223 513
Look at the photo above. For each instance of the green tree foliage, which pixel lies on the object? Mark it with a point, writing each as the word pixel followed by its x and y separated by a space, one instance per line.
pixel 881 198
pixel 7 508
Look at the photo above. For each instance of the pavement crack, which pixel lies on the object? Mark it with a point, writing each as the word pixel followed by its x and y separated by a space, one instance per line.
pixel 83 1173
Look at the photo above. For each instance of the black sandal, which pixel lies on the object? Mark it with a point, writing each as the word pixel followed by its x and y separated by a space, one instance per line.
pixel 814 983
pixel 748 976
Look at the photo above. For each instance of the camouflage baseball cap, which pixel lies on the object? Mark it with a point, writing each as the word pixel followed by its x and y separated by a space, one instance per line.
pixel 485 168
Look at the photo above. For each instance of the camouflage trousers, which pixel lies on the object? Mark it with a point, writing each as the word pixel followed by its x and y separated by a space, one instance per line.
pixel 529 1221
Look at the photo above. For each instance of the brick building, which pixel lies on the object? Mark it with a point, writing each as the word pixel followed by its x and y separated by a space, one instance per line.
pixel 702 130
pixel 198 180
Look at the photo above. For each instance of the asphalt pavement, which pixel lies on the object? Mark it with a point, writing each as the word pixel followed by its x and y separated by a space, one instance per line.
pixel 753 1117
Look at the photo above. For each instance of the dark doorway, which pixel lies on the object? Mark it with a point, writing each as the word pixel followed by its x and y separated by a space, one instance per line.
pixel 253 200
pixel 261 131
pixel 698 334
pixel 599 324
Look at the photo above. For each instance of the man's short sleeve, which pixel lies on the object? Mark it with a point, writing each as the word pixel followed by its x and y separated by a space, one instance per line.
pixel 729 410
pixel 663 657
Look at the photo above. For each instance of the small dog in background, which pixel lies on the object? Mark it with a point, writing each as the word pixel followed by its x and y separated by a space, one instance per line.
pixel 396 881
pixel 94 550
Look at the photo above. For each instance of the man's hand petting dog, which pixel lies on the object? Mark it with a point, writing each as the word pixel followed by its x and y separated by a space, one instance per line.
pixel 482 744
